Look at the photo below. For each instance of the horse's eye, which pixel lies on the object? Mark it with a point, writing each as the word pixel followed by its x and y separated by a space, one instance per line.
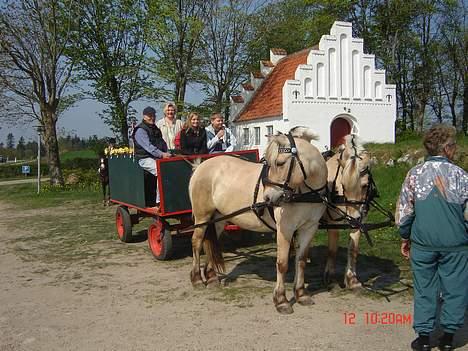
pixel 280 163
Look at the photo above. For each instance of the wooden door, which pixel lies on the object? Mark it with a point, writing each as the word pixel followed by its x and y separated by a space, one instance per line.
pixel 338 130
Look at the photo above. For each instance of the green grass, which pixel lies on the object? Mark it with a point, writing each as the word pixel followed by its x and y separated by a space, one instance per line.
pixel 25 196
pixel 68 155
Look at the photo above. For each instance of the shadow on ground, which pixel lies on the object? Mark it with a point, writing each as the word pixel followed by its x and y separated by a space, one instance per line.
pixel 376 273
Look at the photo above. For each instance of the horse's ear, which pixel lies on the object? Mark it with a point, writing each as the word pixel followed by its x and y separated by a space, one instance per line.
pixel 304 133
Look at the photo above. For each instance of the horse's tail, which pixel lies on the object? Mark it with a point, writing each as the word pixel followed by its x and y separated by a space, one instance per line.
pixel 212 249
pixel 195 163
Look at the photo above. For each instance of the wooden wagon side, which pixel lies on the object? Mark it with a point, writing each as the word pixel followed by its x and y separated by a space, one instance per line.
pixel 134 190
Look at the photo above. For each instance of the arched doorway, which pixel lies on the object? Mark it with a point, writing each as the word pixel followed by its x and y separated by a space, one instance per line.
pixel 339 128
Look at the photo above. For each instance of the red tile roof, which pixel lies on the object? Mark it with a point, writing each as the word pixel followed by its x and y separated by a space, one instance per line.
pixel 237 99
pixel 278 51
pixel 267 100
pixel 247 86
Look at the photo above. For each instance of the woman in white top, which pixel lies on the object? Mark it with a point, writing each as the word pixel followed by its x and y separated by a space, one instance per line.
pixel 169 125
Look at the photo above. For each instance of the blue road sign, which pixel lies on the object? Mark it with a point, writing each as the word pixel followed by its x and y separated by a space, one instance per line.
pixel 25 169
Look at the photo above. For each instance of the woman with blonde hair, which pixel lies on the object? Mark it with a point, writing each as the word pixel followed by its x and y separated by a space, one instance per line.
pixel 169 125
pixel 193 136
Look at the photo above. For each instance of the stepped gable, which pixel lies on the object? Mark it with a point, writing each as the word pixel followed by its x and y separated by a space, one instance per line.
pixel 268 98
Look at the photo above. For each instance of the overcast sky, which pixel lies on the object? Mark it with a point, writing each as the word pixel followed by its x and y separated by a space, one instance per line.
pixel 83 119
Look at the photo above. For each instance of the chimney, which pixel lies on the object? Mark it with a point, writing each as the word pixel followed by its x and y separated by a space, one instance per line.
pixel 277 54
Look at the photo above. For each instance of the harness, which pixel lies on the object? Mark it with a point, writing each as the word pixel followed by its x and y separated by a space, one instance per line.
pixel 369 201
pixel 321 195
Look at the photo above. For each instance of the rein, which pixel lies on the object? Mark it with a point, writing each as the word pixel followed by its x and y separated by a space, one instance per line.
pixel 320 195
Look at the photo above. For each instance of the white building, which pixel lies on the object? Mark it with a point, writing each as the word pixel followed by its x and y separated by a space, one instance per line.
pixel 333 88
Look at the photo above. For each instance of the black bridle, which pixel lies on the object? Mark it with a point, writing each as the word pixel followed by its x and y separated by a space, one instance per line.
pixel 288 192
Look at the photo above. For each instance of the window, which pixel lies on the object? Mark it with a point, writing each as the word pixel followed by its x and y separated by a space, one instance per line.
pixel 246 136
pixel 257 135
pixel 269 130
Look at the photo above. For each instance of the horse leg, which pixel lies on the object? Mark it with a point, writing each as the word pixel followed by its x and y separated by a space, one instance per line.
pixel 197 241
pixel 351 281
pixel 304 237
pixel 329 274
pixel 279 293
pixel 211 276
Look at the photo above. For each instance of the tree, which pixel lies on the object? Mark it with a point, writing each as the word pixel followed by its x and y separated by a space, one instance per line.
pixel 175 39
pixel 20 148
pixel 109 45
pixel 10 144
pixel 224 43
pixel 33 69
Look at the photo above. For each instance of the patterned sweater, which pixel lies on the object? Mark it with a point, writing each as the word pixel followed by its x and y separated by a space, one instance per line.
pixel 433 206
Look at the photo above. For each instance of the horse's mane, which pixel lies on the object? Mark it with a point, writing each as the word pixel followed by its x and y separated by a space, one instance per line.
pixel 280 139
pixel 353 145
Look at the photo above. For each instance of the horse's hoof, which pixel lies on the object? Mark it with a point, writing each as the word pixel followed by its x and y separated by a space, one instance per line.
pixel 196 280
pixel 305 300
pixel 213 283
pixel 353 283
pixel 285 308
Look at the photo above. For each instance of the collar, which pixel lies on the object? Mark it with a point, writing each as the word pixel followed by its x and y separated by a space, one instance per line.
pixel 438 159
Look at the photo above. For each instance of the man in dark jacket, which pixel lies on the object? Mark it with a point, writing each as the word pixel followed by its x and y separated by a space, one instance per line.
pixel 149 145
pixel 433 224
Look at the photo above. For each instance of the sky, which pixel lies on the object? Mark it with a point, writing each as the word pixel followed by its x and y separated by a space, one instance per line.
pixel 83 119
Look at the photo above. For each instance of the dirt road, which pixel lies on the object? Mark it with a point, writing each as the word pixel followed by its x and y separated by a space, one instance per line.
pixel 106 295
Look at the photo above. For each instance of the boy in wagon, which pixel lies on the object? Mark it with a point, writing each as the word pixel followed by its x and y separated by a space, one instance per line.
pixel 149 145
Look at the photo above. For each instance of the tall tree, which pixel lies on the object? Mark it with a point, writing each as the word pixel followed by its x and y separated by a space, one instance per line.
pixel 34 70
pixel 10 143
pixel 175 39
pixel 109 45
pixel 225 49
pixel 21 148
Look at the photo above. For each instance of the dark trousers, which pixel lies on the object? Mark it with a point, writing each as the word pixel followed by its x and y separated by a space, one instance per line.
pixel 435 273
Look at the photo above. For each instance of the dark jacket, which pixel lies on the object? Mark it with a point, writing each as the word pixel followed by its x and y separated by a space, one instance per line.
pixel 193 141
pixel 155 139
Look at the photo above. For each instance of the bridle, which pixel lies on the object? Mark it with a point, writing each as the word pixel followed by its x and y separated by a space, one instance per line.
pixel 371 191
pixel 288 192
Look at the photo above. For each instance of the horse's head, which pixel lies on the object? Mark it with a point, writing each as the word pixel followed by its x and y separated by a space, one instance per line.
pixel 292 159
pixel 355 177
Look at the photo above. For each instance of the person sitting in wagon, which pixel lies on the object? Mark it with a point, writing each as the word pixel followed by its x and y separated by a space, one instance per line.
pixel 193 136
pixel 149 145
pixel 220 138
pixel 170 125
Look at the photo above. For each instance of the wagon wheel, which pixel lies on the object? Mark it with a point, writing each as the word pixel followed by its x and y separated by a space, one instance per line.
pixel 160 240
pixel 123 223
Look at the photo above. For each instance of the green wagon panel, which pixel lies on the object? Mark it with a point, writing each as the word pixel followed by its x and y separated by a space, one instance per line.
pixel 126 181
pixel 175 177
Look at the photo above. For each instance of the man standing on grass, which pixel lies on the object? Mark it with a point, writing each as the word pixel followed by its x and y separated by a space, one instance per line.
pixel 433 222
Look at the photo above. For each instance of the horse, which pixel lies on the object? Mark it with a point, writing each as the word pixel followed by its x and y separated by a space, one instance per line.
pixel 221 185
pixel 349 177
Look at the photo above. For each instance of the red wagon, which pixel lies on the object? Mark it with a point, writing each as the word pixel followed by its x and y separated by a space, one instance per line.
pixel 134 190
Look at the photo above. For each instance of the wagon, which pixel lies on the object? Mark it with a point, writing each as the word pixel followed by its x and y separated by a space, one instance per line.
pixel 134 191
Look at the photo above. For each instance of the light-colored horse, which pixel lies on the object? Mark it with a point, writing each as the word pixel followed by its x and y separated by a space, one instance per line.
pixel 224 184
pixel 350 166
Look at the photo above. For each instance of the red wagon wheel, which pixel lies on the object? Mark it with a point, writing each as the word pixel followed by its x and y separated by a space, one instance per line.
pixel 160 240
pixel 123 223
